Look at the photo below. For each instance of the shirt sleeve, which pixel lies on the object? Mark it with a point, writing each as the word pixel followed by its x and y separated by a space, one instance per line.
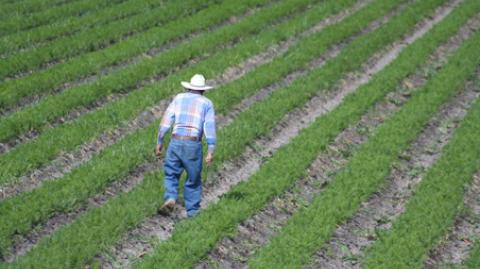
pixel 209 128
pixel 167 121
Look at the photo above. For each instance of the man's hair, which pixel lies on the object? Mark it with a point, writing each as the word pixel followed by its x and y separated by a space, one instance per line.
pixel 194 91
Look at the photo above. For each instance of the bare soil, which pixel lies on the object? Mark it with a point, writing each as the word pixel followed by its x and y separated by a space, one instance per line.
pixel 161 228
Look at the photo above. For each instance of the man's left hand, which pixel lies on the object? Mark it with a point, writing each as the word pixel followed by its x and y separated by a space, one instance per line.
pixel 209 158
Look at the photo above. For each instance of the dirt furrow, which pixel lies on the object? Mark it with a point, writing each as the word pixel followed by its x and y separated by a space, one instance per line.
pixel 138 242
pixel 350 240
pixel 67 161
pixel 23 243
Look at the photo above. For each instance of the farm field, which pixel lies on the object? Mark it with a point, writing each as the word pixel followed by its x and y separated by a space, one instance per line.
pixel 348 133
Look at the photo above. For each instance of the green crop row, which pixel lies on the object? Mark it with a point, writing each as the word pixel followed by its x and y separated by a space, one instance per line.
pixel 11 92
pixel 68 136
pixel 20 7
pixel 147 196
pixel 473 261
pixel 73 24
pixel 438 198
pixel 366 173
pixel 27 21
pixel 107 166
pixel 95 38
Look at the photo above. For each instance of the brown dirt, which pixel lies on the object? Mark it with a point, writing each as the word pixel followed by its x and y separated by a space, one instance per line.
pixel 97 203
pixel 138 242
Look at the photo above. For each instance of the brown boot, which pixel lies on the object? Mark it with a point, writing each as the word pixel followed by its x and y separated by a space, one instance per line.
pixel 167 207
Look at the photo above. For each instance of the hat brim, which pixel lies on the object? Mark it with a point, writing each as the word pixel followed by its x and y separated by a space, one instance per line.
pixel 197 88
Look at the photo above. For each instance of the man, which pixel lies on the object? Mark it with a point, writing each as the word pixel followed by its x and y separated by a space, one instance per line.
pixel 192 115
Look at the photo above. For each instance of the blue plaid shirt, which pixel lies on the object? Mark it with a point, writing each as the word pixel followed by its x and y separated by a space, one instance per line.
pixel 192 115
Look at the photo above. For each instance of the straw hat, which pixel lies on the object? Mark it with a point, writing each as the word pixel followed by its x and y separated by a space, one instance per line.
pixel 197 82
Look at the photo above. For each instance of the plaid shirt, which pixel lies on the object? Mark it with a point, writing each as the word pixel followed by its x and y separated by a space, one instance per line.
pixel 193 115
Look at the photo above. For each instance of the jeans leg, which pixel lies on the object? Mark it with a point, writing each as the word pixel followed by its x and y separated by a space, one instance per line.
pixel 173 168
pixel 192 161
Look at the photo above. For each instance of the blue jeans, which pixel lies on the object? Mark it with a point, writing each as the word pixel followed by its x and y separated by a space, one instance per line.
pixel 184 155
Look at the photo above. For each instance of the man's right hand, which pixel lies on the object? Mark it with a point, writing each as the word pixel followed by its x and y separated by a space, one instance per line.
pixel 158 150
